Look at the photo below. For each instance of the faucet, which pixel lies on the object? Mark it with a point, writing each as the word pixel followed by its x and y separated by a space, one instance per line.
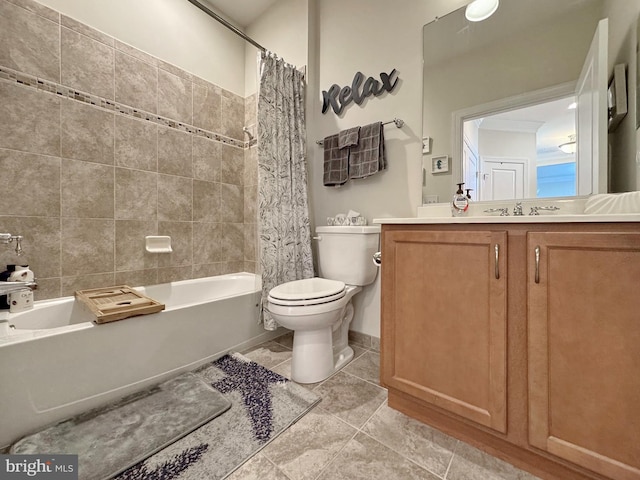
pixel 504 212
pixel 517 210
pixel 7 238
pixel 11 287
pixel 535 210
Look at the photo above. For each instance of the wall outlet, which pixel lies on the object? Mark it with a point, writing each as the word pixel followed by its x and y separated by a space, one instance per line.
pixel 426 199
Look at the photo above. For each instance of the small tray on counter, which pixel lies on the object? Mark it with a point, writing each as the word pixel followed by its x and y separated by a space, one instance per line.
pixel 117 303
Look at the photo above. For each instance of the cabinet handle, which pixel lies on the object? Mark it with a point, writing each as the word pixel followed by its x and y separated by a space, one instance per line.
pixel 537 250
pixel 497 249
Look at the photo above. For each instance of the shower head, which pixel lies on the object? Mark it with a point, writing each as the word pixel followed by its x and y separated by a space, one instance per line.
pixel 248 132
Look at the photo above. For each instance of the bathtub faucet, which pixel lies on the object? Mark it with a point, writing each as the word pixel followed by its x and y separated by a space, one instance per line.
pixel 7 238
pixel 11 287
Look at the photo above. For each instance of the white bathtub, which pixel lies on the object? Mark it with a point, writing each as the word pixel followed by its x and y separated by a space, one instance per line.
pixel 57 363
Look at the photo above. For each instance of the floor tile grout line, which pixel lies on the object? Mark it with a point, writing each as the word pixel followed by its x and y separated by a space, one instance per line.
pixel 382 405
pixel 324 468
pixel 410 460
pixel 455 449
pixel 363 379
pixel 357 431
pixel 273 463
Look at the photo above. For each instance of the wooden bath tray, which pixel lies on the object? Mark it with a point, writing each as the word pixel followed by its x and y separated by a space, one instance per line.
pixel 117 303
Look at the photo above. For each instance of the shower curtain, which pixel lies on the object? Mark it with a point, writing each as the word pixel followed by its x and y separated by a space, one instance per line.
pixel 283 225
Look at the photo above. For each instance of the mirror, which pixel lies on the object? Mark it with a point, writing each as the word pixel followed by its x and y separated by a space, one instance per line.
pixel 495 102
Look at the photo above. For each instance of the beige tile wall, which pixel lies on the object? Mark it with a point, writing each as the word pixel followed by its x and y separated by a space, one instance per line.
pixel 129 146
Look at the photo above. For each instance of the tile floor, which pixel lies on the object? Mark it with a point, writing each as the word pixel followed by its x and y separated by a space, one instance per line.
pixel 353 434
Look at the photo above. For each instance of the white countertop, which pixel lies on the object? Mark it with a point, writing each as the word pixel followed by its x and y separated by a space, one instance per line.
pixel 602 208
pixel 542 218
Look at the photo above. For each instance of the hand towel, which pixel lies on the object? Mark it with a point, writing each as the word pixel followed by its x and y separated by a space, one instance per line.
pixel 349 137
pixel 368 157
pixel 336 162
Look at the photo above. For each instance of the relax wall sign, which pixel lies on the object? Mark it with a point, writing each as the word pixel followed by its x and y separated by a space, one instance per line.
pixel 337 98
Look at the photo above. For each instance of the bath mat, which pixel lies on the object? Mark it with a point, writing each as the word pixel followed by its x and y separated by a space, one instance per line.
pixel 108 440
pixel 263 405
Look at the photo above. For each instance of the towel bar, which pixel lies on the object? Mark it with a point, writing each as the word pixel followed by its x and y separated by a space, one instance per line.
pixel 399 124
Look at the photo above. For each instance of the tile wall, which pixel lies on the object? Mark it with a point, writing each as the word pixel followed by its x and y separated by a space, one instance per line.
pixel 102 144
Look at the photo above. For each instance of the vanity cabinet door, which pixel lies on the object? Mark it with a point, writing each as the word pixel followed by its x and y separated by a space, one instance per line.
pixel 584 349
pixel 444 320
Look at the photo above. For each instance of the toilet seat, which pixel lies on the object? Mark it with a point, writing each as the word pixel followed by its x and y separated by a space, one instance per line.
pixel 310 291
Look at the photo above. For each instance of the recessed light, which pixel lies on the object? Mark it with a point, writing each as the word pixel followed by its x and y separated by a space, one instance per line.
pixel 479 10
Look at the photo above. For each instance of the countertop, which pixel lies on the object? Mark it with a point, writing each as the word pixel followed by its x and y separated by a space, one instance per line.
pixel 601 208
pixel 542 218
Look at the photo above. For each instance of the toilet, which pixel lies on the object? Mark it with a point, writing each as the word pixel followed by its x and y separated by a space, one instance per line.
pixel 319 310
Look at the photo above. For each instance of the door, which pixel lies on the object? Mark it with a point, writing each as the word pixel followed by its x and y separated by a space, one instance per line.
pixel 470 172
pixel 592 116
pixel 583 349
pixel 503 179
pixel 444 320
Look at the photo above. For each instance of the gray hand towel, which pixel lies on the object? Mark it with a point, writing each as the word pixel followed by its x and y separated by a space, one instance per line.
pixel 368 157
pixel 349 138
pixel 336 162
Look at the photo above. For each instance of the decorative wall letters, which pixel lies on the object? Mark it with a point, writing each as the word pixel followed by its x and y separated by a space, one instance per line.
pixel 338 98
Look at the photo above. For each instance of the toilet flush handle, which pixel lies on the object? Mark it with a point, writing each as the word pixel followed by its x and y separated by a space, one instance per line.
pixel 317 238
pixel 377 259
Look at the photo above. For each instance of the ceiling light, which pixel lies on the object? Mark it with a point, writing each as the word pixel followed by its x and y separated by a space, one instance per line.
pixel 479 10
pixel 570 146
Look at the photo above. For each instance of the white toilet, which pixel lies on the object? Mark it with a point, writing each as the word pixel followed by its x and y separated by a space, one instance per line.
pixel 319 310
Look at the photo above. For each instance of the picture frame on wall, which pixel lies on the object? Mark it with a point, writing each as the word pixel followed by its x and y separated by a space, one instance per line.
pixel 617 96
pixel 440 164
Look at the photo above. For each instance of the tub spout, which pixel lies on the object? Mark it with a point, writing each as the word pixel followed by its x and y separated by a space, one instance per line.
pixel 11 287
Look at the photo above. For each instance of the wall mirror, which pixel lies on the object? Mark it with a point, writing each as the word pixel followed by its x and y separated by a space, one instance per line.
pixel 500 96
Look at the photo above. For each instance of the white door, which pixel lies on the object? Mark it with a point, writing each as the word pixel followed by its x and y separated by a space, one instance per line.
pixel 470 170
pixel 592 116
pixel 502 180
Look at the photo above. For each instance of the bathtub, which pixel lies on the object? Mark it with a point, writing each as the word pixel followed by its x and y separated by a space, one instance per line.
pixel 57 362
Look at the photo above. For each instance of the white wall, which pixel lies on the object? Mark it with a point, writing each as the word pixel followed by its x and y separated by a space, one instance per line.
pixel 371 36
pixel 282 29
pixel 173 30
pixel 625 173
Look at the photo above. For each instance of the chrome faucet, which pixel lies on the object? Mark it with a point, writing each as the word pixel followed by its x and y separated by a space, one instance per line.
pixel 504 212
pixel 7 238
pixel 517 210
pixel 11 287
pixel 535 210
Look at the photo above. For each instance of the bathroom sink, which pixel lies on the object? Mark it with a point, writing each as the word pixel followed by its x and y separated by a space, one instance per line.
pixel 613 204
pixel 622 207
pixel 574 206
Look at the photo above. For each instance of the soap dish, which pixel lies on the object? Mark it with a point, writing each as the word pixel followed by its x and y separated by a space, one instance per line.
pixel 157 244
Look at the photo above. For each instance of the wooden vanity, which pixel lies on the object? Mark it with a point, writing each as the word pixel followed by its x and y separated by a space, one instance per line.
pixel 522 339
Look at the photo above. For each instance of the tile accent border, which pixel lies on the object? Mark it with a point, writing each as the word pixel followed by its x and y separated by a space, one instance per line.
pixel 31 81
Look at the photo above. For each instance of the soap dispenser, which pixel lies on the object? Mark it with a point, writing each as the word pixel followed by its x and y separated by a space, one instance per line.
pixel 460 204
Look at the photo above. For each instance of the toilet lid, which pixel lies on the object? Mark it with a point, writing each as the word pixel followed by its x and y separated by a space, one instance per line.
pixel 309 291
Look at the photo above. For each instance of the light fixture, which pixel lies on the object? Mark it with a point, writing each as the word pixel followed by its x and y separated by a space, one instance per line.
pixel 479 10
pixel 570 146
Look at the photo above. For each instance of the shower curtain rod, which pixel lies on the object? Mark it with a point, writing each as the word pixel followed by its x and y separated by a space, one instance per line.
pixel 231 27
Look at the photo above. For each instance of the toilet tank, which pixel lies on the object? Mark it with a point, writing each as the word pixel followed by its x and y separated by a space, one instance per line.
pixel 346 253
